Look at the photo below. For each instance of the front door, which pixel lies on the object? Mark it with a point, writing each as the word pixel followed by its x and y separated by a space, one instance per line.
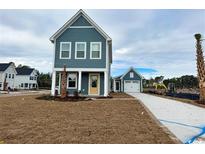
pixel 94 84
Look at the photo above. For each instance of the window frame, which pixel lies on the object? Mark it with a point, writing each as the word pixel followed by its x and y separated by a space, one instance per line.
pixel 61 43
pixel 75 81
pixel 91 43
pixel 131 75
pixel 85 49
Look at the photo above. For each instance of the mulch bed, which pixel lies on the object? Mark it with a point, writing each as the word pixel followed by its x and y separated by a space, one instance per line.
pixel 26 119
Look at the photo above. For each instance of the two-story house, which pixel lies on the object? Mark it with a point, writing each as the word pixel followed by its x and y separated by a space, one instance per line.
pixel 26 78
pixel 7 76
pixel 86 51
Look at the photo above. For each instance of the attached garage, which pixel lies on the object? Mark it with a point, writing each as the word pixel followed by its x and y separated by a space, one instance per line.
pixel 131 81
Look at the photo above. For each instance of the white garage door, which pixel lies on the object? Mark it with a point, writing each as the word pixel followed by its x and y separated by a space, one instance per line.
pixel 131 86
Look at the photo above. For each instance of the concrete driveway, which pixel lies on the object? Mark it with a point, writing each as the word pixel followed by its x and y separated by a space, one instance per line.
pixel 185 121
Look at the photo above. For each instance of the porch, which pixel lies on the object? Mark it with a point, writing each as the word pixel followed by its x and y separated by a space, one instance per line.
pixel 86 83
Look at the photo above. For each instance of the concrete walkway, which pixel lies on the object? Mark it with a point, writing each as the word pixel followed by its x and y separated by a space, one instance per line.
pixel 185 121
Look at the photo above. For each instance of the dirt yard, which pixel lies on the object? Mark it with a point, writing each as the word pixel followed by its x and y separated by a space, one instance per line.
pixel 25 119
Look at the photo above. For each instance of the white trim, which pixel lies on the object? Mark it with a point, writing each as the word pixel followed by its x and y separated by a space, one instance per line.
pixel 75 81
pixel 59 83
pixel 105 83
pixel 82 69
pixel 53 87
pixel 85 49
pixel 131 74
pixel 91 43
pixel 98 74
pixel 72 20
pixel 81 27
pixel 107 66
pixel 61 50
pixel 79 80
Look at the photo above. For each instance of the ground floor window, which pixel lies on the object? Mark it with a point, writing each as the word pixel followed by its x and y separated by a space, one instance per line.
pixel 0 85
pixel 34 85
pixel 21 84
pixel 72 81
pixel 26 85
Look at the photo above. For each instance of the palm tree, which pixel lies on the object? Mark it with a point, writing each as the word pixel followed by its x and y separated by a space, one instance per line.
pixel 63 83
pixel 200 67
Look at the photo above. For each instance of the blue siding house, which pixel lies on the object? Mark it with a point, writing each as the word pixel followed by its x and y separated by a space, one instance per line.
pixel 130 81
pixel 86 51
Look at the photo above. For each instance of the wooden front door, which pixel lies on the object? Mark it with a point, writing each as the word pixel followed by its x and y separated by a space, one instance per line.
pixel 94 84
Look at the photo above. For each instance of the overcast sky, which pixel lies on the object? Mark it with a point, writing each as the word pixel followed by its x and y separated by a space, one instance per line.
pixel 157 42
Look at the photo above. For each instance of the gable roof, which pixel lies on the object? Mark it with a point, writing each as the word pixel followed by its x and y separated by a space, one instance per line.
pixel 132 69
pixel 4 66
pixel 24 71
pixel 72 20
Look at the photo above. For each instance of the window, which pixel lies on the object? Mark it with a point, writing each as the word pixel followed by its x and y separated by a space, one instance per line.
pixel 31 78
pixel 72 81
pixel 6 75
pixel 80 50
pixel 34 85
pixel 12 76
pixel 35 77
pixel 0 85
pixel 131 75
pixel 9 75
pixel 95 50
pixel 21 84
pixel 65 50
pixel 26 85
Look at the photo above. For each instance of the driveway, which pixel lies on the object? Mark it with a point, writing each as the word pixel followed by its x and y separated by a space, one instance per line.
pixel 185 121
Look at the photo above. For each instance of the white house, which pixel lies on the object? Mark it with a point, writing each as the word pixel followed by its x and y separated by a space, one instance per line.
pixel 17 78
pixel 7 75
pixel 26 78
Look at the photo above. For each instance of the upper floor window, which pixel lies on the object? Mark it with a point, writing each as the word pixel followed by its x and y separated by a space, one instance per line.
pixel 6 75
pixel 31 78
pixel 80 50
pixel 65 50
pixel 12 76
pixel 9 75
pixel 131 75
pixel 95 50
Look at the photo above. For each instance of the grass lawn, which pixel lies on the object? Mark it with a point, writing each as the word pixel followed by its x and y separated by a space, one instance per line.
pixel 25 119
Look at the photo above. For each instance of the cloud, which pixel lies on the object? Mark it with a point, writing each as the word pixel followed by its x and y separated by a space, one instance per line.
pixel 157 39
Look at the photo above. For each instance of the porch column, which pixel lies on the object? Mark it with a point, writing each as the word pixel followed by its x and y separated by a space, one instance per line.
pixel 79 80
pixel 59 84
pixel 53 85
pixel 105 83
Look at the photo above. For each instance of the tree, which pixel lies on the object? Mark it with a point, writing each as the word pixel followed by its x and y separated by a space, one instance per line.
pixel 44 80
pixel 63 83
pixel 200 67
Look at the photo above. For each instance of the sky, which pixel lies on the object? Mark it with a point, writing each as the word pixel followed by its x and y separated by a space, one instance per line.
pixel 155 42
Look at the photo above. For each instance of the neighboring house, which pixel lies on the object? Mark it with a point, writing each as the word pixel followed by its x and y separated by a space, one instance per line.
pixel 130 81
pixel 26 78
pixel 86 51
pixel 7 75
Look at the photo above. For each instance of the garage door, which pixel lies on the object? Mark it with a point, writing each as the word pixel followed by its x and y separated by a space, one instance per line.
pixel 131 86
